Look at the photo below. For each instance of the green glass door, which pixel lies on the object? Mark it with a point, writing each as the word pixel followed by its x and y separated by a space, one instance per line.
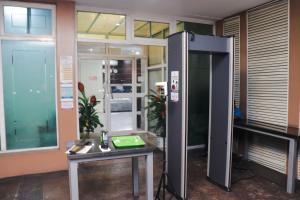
pixel 29 94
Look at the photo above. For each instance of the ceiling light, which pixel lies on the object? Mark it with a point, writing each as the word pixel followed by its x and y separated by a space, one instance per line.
pixel 117 24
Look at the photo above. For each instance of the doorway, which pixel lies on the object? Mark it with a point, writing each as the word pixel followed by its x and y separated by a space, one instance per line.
pixel 116 76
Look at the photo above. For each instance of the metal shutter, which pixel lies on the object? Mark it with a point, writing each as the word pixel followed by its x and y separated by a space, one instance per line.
pixel 269 152
pixel 268 61
pixel 231 27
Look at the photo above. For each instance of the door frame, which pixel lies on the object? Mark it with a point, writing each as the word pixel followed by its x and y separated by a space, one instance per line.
pixel 3 138
pixel 107 85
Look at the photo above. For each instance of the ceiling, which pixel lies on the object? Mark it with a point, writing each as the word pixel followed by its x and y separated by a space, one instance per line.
pixel 205 9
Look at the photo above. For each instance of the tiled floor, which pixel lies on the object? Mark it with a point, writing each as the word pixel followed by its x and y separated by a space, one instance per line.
pixel 107 180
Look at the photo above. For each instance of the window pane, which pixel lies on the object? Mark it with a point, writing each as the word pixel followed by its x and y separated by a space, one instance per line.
pixel 125 50
pixel 147 29
pixel 159 30
pixel 15 19
pixel 101 25
pixel 156 55
pixel 153 77
pixel 84 48
pixel 120 71
pixel 179 26
pixel 121 114
pixel 40 21
pixel 142 29
pixel 202 29
pixel 29 94
pixel 19 20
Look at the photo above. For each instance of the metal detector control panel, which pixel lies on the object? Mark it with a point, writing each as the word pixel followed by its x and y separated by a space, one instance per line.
pixel 174 86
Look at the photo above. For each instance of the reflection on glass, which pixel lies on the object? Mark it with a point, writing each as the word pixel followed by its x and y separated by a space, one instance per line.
pixel 139 104
pixel 121 114
pixel 125 50
pixel 156 55
pixel 153 77
pixel 140 74
pixel 89 48
pixel 198 28
pixel 121 89
pixel 179 26
pixel 142 29
pixel 140 122
pixel 101 25
pixel 148 29
pixel 120 71
pixel 29 95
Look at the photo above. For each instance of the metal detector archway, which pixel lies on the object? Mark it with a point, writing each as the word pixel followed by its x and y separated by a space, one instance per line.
pixel 220 50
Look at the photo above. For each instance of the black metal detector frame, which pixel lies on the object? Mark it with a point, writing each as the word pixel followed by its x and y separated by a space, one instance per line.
pixel 220 50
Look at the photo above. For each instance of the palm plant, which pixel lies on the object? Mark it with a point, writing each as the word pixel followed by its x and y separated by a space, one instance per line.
pixel 157 113
pixel 88 119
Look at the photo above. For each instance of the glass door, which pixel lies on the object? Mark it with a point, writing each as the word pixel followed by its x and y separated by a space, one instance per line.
pixel 120 96
pixel 29 94
pixel 116 76
pixel 92 75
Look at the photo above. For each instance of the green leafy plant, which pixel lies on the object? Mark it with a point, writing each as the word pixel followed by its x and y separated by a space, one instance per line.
pixel 88 117
pixel 157 113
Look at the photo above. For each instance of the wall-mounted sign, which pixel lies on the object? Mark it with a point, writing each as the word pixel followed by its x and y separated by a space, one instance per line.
pixel 66 69
pixel 66 82
pixel 66 90
pixel 174 86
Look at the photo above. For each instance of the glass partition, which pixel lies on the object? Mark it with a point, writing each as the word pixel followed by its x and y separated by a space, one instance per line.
pixel 101 25
pixel 197 28
pixel 149 29
pixel 21 20
pixel 29 94
pixel 156 55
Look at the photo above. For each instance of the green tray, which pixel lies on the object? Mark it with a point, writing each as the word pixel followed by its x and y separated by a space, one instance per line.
pixel 127 141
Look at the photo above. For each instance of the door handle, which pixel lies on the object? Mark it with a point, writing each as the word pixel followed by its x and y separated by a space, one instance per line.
pixel 15 127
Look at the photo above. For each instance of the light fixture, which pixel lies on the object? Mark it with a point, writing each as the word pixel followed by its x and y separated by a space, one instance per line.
pixel 117 24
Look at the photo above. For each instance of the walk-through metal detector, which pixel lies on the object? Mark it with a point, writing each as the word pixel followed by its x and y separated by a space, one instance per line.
pixel 220 50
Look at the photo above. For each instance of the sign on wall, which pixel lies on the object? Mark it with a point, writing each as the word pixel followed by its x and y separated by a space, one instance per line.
pixel 66 82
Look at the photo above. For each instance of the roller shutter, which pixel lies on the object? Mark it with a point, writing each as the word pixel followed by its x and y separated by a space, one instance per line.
pixel 268 61
pixel 231 27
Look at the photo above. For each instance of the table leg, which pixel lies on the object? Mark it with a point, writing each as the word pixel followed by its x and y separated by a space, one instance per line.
pixel 149 176
pixel 246 146
pixel 135 176
pixel 292 164
pixel 73 180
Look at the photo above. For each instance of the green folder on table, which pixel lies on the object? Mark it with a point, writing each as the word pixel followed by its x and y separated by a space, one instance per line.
pixel 128 141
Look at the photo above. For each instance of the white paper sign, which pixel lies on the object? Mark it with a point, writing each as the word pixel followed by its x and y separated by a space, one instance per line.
pixel 67 104
pixel 67 100
pixel 174 96
pixel 66 69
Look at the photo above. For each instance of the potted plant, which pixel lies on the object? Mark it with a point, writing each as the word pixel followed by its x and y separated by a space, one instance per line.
pixel 157 113
pixel 88 117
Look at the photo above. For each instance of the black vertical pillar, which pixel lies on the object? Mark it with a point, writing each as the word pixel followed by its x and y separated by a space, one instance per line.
pixel 176 114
